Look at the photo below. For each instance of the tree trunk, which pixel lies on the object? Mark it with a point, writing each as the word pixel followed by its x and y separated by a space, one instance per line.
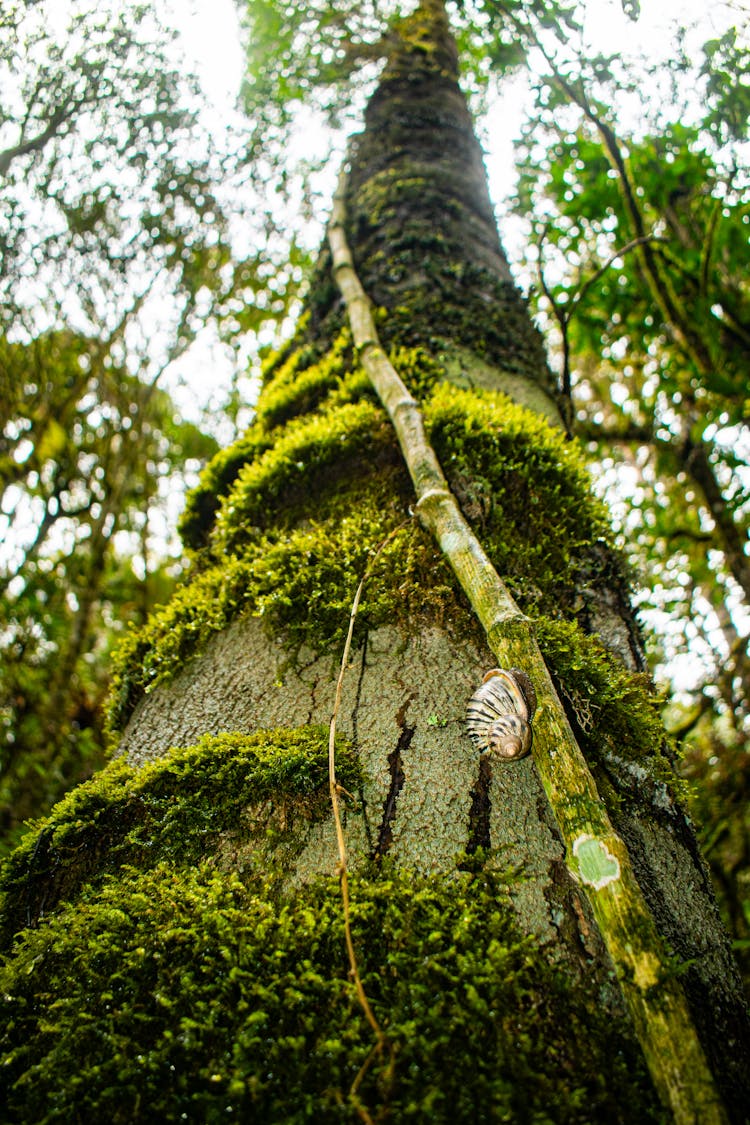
pixel 493 992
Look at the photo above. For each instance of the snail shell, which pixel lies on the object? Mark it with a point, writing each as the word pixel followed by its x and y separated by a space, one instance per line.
pixel 499 714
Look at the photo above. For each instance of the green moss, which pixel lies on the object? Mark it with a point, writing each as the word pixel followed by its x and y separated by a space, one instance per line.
pixel 175 808
pixel 294 384
pixel 182 994
pixel 270 462
pixel 383 196
pixel 492 434
pixel 294 388
pixel 291 351
pixel 418 368
pixel 522 485
pixel 527 492
pixel 411 228
pixel 302 583
pixel 216 479
pixel 614 712
pixel 311 455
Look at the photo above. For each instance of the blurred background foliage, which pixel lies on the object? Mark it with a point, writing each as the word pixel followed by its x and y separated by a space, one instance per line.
pixel 638 212
pixel 86 450
pixel 124 238
pixel 131 228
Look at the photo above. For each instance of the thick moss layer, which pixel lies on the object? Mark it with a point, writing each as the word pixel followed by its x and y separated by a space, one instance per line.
pixel 301 385
pixel 523 487
pixel 176 809
pixel 302 584
pixel 310 458
pixel 274 460
pixel 296 380
pixel 182 994
pixel 216 479
pixel 615 714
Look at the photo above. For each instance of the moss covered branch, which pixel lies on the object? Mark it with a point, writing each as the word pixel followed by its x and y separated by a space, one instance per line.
pixel 595 855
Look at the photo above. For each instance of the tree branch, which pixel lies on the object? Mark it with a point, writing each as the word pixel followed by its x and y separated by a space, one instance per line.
pixel 659 285
pixel 697 464
pixel 564 314
pixel 35 144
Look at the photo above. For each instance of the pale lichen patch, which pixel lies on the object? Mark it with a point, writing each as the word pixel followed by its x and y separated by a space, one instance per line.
pixel 597 866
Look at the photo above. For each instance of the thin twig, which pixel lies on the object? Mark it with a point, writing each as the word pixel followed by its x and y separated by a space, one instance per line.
pixel 708 246
pixel 564 313
pixel 381 1040
pixel 581 292
pixel 562 317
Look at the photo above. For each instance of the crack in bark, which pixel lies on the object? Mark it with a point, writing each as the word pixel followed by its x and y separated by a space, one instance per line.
pixel 481 808
pixel 360 684
pixel 398 777
pixel 355 739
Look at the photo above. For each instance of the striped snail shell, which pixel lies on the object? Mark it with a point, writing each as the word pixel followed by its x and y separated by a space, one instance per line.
pixel 499 714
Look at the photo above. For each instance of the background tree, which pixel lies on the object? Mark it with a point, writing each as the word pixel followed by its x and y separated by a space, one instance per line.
pixel 645 237
pixel 494 901
pixel 87 449
pixel 115 250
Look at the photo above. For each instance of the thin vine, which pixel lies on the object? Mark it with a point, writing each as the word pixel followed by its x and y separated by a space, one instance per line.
pixel 382 1043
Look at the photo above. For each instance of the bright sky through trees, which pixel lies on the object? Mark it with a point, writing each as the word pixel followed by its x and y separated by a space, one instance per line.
pixel 210 34
pixel 201 378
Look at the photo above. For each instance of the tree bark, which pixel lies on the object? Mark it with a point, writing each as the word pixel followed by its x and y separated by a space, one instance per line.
pixel 423 235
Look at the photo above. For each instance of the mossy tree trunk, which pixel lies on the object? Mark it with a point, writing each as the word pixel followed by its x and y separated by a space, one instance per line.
pixel 199 871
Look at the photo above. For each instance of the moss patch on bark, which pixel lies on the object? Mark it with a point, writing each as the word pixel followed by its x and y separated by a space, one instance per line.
pixel 304 506
pixel 263 785
pixel 181 993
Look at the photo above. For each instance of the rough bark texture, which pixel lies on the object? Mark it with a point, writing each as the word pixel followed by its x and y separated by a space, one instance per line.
pixel 282 527
pixel 404 707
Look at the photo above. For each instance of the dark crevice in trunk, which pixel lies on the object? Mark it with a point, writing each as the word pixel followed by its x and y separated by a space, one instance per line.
pixel 360 680
pixel 481 807
pixel 398 777
pixel 355 726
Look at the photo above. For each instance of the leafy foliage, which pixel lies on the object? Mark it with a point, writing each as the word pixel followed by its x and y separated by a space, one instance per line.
pixel 96 180
pixel 639 234
pixel 116 246
pixel 84 451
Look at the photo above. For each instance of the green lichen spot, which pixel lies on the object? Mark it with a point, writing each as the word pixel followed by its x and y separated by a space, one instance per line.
pixel 596 865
